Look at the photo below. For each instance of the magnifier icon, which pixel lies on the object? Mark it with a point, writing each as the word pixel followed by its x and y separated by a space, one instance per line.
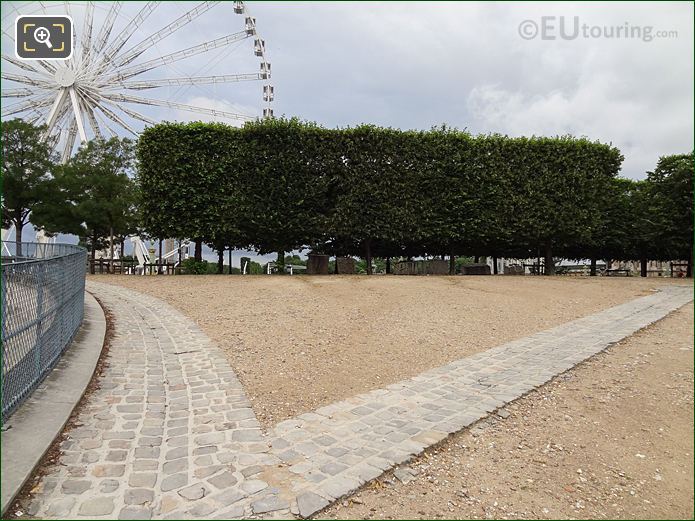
pixel 42 35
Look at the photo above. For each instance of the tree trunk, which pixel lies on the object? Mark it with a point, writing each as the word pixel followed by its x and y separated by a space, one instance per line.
pixel 220 261
pixel 281 262
pixel 122 248
pixel 18 226
pixel 159 268
pixel 198 254
pixel 477 259
pixel 495 271
pixel 388 265
pixel 643 266
pixel 111 266
pixel 549 264
pixel 592 272
pixel 452 264
pixel 230 260
pixel 689 269
pixel 93 254
pixel 368 255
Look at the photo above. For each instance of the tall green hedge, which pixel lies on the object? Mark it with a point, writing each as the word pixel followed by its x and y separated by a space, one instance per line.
pixel 281 184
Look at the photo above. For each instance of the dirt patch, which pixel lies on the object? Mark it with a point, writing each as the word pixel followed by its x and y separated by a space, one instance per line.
pixel 610 439
pixel 301 342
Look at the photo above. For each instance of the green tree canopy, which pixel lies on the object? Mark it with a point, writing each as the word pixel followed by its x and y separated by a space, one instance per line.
pixel 27 163
pixel 93 194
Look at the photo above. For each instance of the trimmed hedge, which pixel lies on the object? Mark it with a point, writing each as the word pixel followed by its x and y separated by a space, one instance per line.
pixel 277 185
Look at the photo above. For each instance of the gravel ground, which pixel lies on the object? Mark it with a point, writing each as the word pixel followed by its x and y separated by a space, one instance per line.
pixel 300 342
pixel 610 439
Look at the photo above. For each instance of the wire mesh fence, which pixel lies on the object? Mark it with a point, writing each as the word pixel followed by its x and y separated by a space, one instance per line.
pixel 42 309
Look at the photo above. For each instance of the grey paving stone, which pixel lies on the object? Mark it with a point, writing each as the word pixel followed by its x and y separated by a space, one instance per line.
pixel 309 503
pixel 269 503
pixel 75 486
pixel 224 480
pixel 174 466
pixel 333 468
pixel 132 512
pixel 138 496
pixel 142 479
pixel 60 507
pixel 174 482
pixel 101 506
pixel 252 486
pixel 194 492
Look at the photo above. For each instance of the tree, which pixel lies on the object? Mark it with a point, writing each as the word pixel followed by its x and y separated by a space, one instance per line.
pixel 188 180
pixel 671 191
pixel 284 172
pixel 27 163
pixel 94 194
pixel 557 184
pixel 376 198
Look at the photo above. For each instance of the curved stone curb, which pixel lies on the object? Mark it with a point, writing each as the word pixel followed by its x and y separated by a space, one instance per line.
pixel 33 427
pixel 171 434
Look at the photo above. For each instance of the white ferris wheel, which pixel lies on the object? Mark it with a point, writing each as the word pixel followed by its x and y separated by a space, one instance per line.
pixel 128 70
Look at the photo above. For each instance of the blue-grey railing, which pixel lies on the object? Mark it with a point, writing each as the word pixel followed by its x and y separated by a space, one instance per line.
pixel 42 309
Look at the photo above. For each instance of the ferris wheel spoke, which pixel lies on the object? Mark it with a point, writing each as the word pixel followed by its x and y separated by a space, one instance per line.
pixel 177 82
pixel 87 107
pixel 69 141
pixel 105 123
pixel 136 115
pixel 106 29
pixel 132 53
pixel 58 105
pixel 176 56
pixel 26 80
pixel 93 123
pixel 17 93
pixel 35 117
pixel 78 114
pixel 16 108
pixel 126 98
pixel 22 65
pixel 121 39
pixel 116 118
pixel 68 11
pixel 87 31
pixel 47 66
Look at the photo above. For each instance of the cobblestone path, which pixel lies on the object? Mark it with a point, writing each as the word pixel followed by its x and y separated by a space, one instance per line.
pixel 170 434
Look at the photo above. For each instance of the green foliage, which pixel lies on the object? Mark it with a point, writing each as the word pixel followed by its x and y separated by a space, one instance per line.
pixel 295 260
pixel 255 268
pixel 93 195
pixel 188 178
pixel 671 206
pixel 282 184
pixel 193 267
pixel 27 163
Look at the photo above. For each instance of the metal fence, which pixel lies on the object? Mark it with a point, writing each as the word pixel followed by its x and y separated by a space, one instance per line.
pixel 42 309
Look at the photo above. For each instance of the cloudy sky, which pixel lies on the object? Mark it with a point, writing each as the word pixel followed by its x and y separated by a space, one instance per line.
pixel 418 64
pixel 485 67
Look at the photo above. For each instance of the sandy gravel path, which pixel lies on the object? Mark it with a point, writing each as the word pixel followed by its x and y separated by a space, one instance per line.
pixel 610 439
pixel 301 342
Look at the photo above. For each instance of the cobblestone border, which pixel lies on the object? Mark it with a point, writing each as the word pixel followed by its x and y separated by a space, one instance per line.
pixel 33 428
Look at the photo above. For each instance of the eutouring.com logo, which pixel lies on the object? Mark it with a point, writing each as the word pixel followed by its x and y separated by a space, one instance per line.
pixel 572 28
